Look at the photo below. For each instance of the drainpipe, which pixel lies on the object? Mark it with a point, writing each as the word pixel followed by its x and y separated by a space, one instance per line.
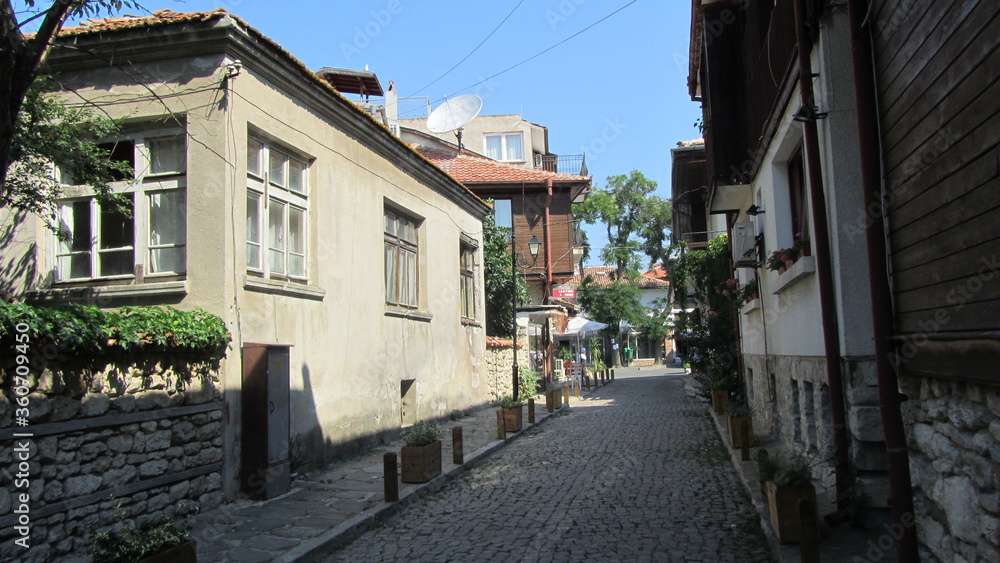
pixel 824 271
pixel 547 235
pixel 900 486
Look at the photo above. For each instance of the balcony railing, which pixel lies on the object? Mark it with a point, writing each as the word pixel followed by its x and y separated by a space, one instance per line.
pixel 568 164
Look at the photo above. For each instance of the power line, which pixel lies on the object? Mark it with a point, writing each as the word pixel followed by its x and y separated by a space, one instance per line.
pixel 474 50
pixel 535 56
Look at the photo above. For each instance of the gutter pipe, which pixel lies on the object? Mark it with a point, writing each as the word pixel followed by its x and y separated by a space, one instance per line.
pixel 824 270
pixel 900 485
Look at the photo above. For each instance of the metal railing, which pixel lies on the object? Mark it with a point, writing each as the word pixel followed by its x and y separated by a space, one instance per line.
pixel 567 164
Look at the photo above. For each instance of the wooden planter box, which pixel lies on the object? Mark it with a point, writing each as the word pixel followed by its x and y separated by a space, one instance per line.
pixel 553 400
pixel 733 425
pixel 183 553
pixel 512 419
pixel 421 463
pixel 720 397
pixel 783 509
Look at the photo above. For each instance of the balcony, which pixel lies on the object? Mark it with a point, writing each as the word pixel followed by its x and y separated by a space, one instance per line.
pixel 569 164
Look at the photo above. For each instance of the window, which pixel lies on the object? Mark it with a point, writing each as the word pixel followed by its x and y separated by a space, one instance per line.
pixel 400 259
pixel 149 230
pixel 467 266
pixel 797 196
pixel 283 210
pixel 505 146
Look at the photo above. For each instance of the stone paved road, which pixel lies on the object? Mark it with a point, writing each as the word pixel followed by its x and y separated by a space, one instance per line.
pixel 636 473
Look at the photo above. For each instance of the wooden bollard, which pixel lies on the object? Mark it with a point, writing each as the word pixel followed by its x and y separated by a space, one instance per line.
pixel 745 440
pixel 808 532
pixel 576 388
pixel 391 477
pixel 531 411
pixel 612 374
pixel 550 401
pixel 565 390
pixel 457 453
pixel 501 430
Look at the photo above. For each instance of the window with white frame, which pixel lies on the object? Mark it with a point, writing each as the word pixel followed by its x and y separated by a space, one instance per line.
pixel 507 147
pixel 401 251
pixel 147 230
pixel 276 211
pixel 467 269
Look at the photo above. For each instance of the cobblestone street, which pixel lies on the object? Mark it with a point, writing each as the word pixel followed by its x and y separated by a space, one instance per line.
pixel 636 472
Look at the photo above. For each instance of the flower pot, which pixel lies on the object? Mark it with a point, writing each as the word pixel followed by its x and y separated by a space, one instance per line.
pixel 553 400
pixel 733 425
pixel 183 553
pixel 783 509
pixel 781 269
pixel 789 263
pixel 719 399
pixel 421 463
pixel 512 419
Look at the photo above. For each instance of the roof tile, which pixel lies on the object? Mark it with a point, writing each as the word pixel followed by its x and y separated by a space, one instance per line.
pixel 469 169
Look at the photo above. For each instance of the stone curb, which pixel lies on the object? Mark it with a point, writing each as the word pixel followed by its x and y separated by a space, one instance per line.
pixel 353 527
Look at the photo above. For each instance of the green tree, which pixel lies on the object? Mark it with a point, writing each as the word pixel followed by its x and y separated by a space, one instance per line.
pixel 501 289
pixel 628 211
pixel 50 133
pixel 612 304
pixel 20 57
pixel 653 325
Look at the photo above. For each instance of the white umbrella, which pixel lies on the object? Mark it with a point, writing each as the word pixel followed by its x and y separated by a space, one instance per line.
pixel 582 325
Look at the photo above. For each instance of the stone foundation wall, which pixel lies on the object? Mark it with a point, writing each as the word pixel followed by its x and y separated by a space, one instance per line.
pixel 125 446
pixel 500 365
pixel 792 401
pixel 953 430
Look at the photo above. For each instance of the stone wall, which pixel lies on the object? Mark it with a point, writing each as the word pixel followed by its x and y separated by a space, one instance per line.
pixel 791 398
pixel 953 430
pixel 500 363
pixel 128 445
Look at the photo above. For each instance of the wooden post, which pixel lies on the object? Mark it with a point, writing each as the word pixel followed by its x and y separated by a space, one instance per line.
pixel 808 532
pixel 576 388
pixel 391 477
pixel 550 401
pixel 745 440
pixel 531 411
pixel 565 390
pixel 501 430
pixel 457 452
pixel 586 382
pixel 612 374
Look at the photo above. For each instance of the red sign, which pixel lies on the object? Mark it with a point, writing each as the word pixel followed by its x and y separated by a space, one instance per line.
pixel 564 292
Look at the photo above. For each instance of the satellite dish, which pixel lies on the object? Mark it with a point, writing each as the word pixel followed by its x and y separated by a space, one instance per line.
pixel 453 114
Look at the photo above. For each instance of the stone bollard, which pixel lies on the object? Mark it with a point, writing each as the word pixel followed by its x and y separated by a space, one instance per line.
pixel 565 391
pixel 808 532
pixel 391 477
pixel 457 452
pixel 501 430
pixel 531 411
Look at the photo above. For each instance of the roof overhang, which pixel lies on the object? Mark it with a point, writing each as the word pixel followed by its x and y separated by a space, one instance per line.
pixel 349 81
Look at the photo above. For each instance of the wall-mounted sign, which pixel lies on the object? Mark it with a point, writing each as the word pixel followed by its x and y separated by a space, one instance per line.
pixel 564 292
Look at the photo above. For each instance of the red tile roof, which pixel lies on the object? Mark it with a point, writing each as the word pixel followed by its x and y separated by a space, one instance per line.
pixel 470 169
pixel 657 272
pixel 603 275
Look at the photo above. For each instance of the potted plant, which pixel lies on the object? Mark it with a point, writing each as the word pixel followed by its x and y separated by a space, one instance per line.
pixel 721 386
pixel 785 481
pixel 738 412
pixel 512 412
pixel 421 454
pixel 168 542
pixel 784 258
pixel 553 397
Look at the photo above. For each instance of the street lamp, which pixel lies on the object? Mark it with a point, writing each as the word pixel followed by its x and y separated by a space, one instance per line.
pixel 533 246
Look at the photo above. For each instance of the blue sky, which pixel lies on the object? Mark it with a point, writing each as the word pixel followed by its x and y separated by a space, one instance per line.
pixel 616 92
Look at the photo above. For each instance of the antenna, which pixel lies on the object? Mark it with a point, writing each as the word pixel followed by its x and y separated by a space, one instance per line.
pixel 453 114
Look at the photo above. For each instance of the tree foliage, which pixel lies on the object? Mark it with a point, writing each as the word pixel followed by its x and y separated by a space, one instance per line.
pixel 21 55
pixel 710 328
pixel 612 304
pixel 630 212
pixel 50 133
pixel 501 288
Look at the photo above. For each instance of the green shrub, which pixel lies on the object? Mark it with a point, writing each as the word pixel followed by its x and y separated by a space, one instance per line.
pixel 508 402
pixel 527 384
pixel 133 544
pixel 422 433
pixel 788 471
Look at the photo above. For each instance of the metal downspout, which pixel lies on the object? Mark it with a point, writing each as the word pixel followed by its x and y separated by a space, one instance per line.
pixel 900 486
pixel 547 235
pixel 824 270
